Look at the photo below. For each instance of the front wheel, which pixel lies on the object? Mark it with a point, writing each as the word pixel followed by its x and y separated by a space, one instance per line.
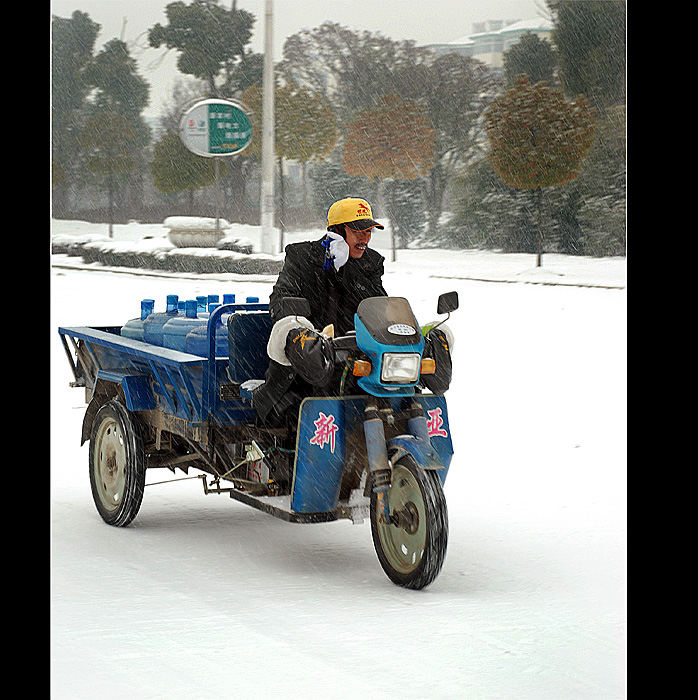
pixel 117 464
pixel 412 546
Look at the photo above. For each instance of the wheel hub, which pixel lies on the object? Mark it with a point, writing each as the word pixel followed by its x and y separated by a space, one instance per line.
pixel 404 536
pixel 406 518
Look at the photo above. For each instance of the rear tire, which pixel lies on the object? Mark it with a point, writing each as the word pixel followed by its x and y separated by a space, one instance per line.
pixel 412 550
pixel 117 464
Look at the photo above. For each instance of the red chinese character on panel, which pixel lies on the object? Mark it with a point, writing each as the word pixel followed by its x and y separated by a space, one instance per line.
pixel 325 430
pixel 435 423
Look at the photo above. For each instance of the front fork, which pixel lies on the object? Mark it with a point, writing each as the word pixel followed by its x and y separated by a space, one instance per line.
pixel 377 458
pixel 379 465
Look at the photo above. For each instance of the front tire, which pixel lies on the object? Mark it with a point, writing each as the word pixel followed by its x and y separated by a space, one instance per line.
pixel 412 547
pixel 117 464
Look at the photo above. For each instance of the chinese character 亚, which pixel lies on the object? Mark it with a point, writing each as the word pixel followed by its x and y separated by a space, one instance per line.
pixel 435 423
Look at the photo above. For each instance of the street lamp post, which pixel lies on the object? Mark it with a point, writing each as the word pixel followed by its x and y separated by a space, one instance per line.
pixel 267 190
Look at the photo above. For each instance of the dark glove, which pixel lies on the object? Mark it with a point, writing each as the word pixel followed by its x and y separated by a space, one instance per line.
pixel 438 348
pixel 311 355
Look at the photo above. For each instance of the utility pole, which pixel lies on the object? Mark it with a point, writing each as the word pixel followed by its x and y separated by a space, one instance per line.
pixel 267 194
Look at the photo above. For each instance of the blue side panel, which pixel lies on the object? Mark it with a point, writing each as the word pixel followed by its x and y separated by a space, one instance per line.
pixel 436 414
pixel 319 455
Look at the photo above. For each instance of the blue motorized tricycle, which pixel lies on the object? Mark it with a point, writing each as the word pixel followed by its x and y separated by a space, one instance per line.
pixel 382 453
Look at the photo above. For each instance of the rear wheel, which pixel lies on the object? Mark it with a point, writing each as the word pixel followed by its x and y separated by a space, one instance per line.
pixel 117 464
pixel 412 546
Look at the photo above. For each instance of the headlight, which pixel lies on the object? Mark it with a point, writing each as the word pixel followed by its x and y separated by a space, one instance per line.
pixel 401 367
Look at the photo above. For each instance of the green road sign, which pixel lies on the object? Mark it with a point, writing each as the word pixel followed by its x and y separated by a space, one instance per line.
pixel 215 127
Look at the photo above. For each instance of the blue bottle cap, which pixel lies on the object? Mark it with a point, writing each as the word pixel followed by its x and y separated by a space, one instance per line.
pixel 172 301
pixel 147 306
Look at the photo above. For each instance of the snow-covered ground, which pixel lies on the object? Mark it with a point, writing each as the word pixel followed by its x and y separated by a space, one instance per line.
pixel 205 598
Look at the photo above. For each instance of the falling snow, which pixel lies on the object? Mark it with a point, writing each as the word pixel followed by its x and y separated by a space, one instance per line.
pixel 204 597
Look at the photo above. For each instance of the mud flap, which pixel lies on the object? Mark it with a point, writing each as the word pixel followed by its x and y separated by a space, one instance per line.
pixel 320 450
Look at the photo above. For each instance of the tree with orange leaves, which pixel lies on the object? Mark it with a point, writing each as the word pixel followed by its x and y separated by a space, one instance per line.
pixel 538 139
pixel 392 141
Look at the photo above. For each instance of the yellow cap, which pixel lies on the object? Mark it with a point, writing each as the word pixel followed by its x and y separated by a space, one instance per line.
pixel 350 209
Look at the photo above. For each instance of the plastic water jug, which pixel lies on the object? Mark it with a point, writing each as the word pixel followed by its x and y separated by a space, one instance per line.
pixel 153 325
pixel 134 328
pixel 174 332
pixel 197 339
pixel 207 301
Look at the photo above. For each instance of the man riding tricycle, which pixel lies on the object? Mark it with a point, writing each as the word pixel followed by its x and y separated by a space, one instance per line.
pixel 328 405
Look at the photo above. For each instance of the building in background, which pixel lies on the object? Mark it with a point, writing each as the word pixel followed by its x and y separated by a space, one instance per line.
pixel 492 38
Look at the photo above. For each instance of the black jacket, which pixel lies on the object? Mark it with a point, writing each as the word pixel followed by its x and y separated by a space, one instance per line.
pixel 333 297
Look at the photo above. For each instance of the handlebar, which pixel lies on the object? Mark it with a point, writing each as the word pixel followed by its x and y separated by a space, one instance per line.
pixel 345 342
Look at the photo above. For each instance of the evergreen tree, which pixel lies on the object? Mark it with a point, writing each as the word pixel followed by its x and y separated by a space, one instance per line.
pixel 120 90
pixel 330 182
pixel 176 169
pixel 207 36
pixel 531 56
pixel 590 36
pixel 109 139
pixel 72 45
pixel 491 214
pixel 114 74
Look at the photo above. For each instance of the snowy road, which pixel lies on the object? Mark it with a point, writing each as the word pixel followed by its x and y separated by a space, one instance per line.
pixel 205 598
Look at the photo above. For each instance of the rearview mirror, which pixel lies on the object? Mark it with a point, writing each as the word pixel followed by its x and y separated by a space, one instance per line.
pixel 295 306
pixel 447 302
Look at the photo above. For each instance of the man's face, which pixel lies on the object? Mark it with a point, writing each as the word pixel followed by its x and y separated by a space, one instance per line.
pixel 357 241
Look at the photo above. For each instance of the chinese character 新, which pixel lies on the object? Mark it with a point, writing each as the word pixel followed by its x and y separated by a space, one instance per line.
pixel 325 430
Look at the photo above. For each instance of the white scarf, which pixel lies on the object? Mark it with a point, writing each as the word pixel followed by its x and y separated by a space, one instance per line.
pixel 339 249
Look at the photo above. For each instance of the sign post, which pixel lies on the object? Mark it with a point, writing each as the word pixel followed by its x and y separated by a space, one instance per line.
pixel 215 128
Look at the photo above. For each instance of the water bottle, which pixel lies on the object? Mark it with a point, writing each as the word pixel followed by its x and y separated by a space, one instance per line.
pixel 134 328
pixel 153 325
pixel 197 339
pixel 174 332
